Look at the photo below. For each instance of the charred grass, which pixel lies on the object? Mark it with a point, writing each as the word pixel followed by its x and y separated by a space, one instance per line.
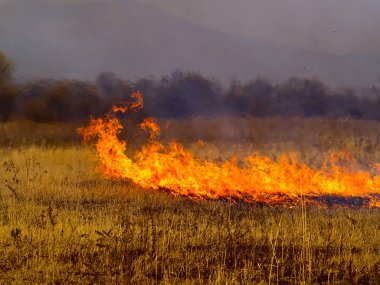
pixel 62 223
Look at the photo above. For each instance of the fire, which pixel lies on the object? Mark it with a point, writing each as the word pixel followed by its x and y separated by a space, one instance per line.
pixel 258 180
pixel 130 106
pixel 150 125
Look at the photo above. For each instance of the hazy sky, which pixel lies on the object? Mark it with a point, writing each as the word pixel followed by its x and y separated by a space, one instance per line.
pixel 337 26
pixel 335 40
pixel 340 26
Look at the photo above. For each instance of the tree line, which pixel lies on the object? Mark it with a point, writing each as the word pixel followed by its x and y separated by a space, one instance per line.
pixel 181 95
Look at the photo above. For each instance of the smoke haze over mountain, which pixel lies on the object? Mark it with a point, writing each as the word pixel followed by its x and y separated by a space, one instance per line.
pixel 333 40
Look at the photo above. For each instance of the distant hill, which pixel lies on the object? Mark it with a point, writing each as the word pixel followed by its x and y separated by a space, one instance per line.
pixel 53 39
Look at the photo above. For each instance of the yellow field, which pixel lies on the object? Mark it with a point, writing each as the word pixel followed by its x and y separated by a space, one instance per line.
pixel 61 222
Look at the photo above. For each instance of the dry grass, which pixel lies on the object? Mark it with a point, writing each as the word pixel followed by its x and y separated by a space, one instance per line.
pixel 62 223
pixel 310 138
pixel 271 136
pixel 25 133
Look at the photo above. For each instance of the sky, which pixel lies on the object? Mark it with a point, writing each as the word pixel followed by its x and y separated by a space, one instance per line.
pixel 338 26
pixel 334 40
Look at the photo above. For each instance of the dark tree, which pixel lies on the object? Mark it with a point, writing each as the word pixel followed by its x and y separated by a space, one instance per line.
pixel 7 88
pixel 187 94
pixel 60 100
pixel 254 98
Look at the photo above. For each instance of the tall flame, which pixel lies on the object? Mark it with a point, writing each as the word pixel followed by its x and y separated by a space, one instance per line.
pixel 258 180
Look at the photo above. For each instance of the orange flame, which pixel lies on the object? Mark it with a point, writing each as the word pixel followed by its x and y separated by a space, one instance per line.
pixel 260 179
pixel 151 126
pixel 130 106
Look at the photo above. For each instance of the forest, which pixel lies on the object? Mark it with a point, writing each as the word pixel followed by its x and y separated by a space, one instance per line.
pixel 181 95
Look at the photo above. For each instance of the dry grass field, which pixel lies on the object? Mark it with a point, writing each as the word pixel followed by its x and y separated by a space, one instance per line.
pixel 61 222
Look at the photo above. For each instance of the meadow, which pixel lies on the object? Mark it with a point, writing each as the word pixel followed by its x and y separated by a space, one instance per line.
pixel 61 222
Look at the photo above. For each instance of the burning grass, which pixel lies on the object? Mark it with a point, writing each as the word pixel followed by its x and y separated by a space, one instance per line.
pixel 257 179
pixel 62 222
pixel 69 225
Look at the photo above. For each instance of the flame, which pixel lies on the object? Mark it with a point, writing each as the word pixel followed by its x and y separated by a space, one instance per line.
pixel 258 180
pixel 151 126
pixel 130 106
